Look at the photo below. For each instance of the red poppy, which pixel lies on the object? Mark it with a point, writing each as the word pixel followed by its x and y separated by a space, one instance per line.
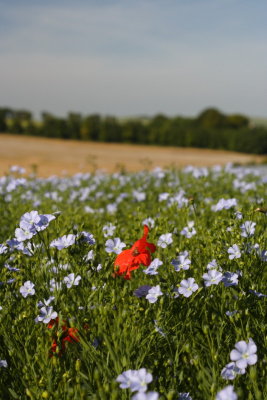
pixel 139 253
pixel 72 336
pixel 60 338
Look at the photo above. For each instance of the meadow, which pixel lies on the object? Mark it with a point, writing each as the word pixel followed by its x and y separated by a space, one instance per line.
pixel 145 285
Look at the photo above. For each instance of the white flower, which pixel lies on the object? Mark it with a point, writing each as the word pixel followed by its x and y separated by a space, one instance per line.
pixel 70 280
pixel 164 240
pixel 153 294
pixel 114 246
pixel 27 289
pixel 244 353
pixel 135 380
pixel 227 394
pixel 213 277
pixel 234 252
pixel 230 371
pixel 187 287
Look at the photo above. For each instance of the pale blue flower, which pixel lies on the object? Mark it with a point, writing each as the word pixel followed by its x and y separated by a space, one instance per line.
pixel 3 364
pixel 231 313
pixel 87 237
pixel 90 256
pixel 230 371
pixel 234 252
pixel 63 242
pixel 258 294
pixel 61 267
pixel 135 380
pixel 3 249
pixel 244 354
pixel 213 277
pixel 25 233
pixel 71 280
pixel 224 204
pixel 238 215
pixel 187 287
pixel 227 394
pixel 230 278
pixel 145 396
pixel 149 222
pixel 163 196
pixel 46 314
pixel 45 302
pixel 30 218
pixel 164 240
pixel 14 244
pixel 139 196
pixel 17 169
pixel 212 265
pixel 112 208
pixel 27 289
pixel 153 294
pixel 153 267
pixel 108 230
pixel 114 246
pixel 189 230
pixel 248 228
pixel 54 285
pixel 184 396
pixel 181 262
pixel 142 291
pixel 158 329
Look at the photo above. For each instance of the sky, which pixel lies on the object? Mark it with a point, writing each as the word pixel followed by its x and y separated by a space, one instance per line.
pixel 137 57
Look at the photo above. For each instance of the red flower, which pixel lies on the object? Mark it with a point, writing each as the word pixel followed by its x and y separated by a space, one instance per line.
pixel 62 336
pixel 139 253
pixel 72 336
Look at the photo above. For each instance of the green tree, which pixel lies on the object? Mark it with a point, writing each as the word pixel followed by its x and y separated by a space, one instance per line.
pixel 211 118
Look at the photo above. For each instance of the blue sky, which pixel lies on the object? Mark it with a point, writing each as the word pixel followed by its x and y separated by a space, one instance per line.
pixel 134 57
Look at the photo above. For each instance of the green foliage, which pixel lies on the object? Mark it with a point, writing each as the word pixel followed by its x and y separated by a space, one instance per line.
pixel 116 329
pixel 211 129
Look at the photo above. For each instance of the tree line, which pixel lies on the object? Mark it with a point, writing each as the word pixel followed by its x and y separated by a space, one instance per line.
pixel 210 129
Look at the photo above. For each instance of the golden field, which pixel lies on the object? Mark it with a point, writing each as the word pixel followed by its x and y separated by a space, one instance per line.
pixel 57 157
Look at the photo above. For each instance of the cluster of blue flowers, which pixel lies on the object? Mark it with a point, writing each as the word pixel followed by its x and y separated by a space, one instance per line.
pixel 105 201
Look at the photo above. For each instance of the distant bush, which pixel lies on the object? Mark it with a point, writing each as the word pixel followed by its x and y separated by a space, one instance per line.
pixel 210 129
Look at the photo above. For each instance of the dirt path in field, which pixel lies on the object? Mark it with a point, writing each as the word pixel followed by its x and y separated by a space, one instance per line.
pixel 55 156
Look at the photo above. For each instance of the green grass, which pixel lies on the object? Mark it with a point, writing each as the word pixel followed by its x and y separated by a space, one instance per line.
pixel 116 329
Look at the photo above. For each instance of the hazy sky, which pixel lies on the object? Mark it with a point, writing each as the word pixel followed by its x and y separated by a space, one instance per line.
pixel 134 57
